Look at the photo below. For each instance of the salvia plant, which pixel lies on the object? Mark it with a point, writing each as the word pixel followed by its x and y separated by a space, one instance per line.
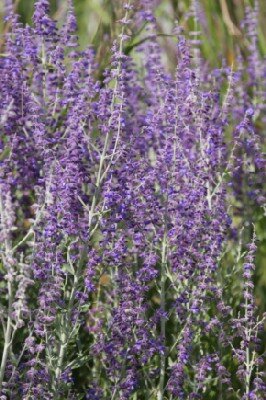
pixel 128 241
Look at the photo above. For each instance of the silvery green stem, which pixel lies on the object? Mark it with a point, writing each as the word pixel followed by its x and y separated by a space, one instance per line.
pixel 7 337
pixel 8 330
pixel 248 363
pixel 163 321
pixel 61 355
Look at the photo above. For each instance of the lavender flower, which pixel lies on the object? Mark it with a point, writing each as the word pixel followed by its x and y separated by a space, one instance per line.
pixel 116 198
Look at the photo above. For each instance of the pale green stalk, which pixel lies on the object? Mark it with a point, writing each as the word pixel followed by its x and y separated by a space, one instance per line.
pixel 8 328
pixel 160 394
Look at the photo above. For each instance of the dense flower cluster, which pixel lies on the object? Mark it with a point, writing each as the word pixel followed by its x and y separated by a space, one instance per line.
pixel 116 199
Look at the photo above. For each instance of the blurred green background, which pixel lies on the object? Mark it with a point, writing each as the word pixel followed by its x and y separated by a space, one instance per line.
pixel 220 22
pixel 96 21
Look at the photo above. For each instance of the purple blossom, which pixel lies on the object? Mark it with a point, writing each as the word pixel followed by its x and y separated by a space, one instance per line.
pixel 117 200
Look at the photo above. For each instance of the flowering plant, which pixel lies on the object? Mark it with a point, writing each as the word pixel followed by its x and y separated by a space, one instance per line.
pixel 117 194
